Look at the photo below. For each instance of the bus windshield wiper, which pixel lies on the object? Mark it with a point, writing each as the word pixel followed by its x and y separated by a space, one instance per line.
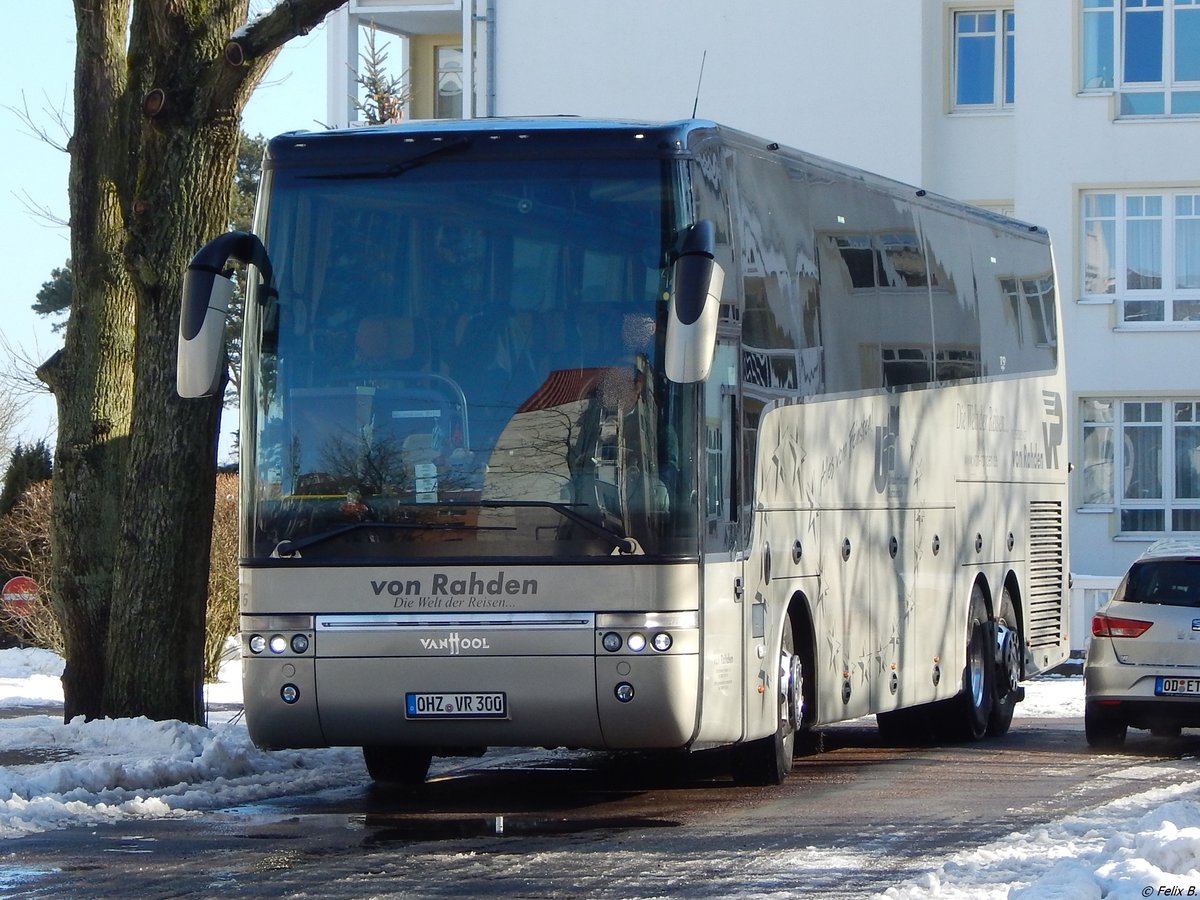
pixel 287 547
pixel 405 165
pixel 625 545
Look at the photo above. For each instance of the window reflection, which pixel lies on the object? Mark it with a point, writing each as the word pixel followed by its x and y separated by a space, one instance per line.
pixel 468 354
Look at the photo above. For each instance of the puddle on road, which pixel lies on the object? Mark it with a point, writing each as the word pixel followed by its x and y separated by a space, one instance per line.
pixel 389 830
pixel 14 877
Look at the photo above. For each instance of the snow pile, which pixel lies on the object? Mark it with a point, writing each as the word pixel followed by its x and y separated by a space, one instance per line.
pixel 1118 851
pixel 54 775
pixel 1129 848
pixel 29 677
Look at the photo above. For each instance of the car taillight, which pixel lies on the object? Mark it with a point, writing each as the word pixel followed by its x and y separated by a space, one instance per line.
pixel 1113 627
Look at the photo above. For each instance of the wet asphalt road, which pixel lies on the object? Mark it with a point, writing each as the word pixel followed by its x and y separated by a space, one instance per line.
pixel 854 819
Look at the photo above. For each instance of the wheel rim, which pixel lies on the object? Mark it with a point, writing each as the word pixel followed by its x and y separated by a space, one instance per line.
pixel 791 701
pixel 976 663
pixel 795 695
pixel 1010 661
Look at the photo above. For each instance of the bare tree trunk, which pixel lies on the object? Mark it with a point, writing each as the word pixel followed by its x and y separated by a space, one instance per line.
pixel 92 377
pixel 158 98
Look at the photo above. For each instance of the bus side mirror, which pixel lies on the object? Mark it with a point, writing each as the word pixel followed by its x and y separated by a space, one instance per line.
pixel 207 290
pixel 693 306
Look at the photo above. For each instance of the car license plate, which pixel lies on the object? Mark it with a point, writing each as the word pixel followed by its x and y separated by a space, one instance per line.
pixel 1176 686
pixel 456 705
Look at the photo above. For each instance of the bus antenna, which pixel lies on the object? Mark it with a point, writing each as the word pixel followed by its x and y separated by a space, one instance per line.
pixel 696 105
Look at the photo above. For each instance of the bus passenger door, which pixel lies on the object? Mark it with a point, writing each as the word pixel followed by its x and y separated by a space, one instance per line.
pixel 723 553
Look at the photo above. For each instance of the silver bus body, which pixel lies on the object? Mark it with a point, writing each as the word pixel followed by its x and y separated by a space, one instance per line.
pixel 649 437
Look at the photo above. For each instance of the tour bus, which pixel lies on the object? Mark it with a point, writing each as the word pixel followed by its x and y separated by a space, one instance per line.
pixel 632 437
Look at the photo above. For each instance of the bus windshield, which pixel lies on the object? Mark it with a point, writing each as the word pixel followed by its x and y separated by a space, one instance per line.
pixel 462 359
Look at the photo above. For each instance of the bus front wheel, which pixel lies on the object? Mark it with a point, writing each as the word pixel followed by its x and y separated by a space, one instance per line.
pixel 968 714
pixel 406 766
pixel 768 760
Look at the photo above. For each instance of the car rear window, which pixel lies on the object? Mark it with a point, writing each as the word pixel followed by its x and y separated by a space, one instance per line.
pixel 1170 582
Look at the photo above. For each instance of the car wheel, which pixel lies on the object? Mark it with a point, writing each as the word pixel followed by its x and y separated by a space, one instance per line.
pixel 1102 728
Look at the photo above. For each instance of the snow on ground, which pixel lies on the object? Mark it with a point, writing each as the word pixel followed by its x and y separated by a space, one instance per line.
pixel 55 775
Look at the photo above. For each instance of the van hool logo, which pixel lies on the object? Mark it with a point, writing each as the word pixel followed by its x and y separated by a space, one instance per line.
pixel 454 645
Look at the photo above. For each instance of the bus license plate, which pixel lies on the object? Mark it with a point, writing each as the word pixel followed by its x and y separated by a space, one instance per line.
pixel 456 705
pixel 1179 686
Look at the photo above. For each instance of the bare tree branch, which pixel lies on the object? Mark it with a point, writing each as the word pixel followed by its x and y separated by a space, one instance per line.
pixel 49 219
pixel 18 373
pixel 18 385
pixel 268 33
pixel 57 115
pixel 58 118
pixel 252 48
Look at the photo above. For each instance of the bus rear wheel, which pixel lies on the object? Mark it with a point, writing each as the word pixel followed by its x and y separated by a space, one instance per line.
pixel 1008 667
pixel 404 766
pixel 769 760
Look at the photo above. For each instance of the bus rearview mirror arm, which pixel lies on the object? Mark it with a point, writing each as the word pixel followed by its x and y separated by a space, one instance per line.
pixel 693 306
pixel 207 290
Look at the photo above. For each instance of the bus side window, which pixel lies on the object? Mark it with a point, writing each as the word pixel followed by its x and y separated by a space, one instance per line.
pixel 721 439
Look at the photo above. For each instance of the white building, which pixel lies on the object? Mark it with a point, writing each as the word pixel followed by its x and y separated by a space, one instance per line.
pixel 1082 116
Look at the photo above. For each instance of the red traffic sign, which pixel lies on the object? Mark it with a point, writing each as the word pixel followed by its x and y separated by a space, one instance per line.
pixel 19 593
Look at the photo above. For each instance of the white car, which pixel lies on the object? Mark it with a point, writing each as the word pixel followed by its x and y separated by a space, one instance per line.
pixel 1143 660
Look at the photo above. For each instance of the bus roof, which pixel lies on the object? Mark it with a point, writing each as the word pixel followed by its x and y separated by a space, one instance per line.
pixel 552 135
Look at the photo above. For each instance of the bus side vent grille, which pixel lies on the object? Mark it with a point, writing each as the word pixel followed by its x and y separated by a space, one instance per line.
pixel 1045 609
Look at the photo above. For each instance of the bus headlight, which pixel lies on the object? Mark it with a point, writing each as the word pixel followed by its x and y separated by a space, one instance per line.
pixel 611 641
pixel 637 642
pixel 624 691
pixel 289 693
pixel 258 643
pixel 299 643
pixel 278 643
pixel 661 642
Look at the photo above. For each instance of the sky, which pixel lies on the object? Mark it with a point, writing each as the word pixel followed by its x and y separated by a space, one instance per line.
pixel 36 76
pixel 124 771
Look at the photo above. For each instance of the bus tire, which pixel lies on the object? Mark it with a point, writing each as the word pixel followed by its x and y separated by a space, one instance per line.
pixel 768 760
pixel 968 714
pixel 406 766
pixel 1008 667
pixel 909 727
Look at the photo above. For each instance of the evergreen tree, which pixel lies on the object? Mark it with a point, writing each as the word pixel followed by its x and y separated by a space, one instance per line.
pixel 55 296
pixel 27 465
pixel 385 95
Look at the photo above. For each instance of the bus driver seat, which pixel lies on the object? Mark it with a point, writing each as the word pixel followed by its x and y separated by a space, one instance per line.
pixel 391 343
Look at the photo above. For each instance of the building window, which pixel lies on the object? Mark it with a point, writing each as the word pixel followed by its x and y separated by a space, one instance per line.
pixel 1141 457
pixel 448 94
pixel 1147 51
pixel 1143 251
pixel 984 40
